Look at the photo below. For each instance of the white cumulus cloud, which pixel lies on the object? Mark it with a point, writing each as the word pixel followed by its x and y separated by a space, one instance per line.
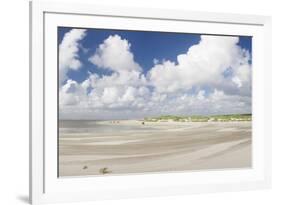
pixel 114 54
pixel 68 52
pixel 211 77
pixel 203 64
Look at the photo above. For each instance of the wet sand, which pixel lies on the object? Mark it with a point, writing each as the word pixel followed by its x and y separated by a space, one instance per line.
pixel 155 147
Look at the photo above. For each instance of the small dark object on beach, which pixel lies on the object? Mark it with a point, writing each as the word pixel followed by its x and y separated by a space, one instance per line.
pixel 85 167
pixel 104 170
pixel 142 123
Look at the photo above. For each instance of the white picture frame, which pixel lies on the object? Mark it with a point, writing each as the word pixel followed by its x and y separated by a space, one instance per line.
pixel 46 187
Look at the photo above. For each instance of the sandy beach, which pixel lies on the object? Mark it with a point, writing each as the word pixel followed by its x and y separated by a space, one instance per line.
pixel 128 146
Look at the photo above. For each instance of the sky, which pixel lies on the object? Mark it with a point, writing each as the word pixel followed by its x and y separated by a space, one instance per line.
pixel 117 74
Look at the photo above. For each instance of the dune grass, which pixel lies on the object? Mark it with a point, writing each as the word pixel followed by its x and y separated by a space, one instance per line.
pixel 200 118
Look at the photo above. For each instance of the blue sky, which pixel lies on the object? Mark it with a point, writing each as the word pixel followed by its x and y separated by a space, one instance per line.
pixel 146 46
pixel 117 74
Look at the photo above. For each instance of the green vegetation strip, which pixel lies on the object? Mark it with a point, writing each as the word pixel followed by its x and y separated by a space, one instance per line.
pixel 200 118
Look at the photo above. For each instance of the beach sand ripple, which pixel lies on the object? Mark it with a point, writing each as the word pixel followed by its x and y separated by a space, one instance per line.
pixel 131 147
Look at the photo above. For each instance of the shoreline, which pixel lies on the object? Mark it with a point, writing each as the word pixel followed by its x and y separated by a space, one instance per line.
pixel 171 122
